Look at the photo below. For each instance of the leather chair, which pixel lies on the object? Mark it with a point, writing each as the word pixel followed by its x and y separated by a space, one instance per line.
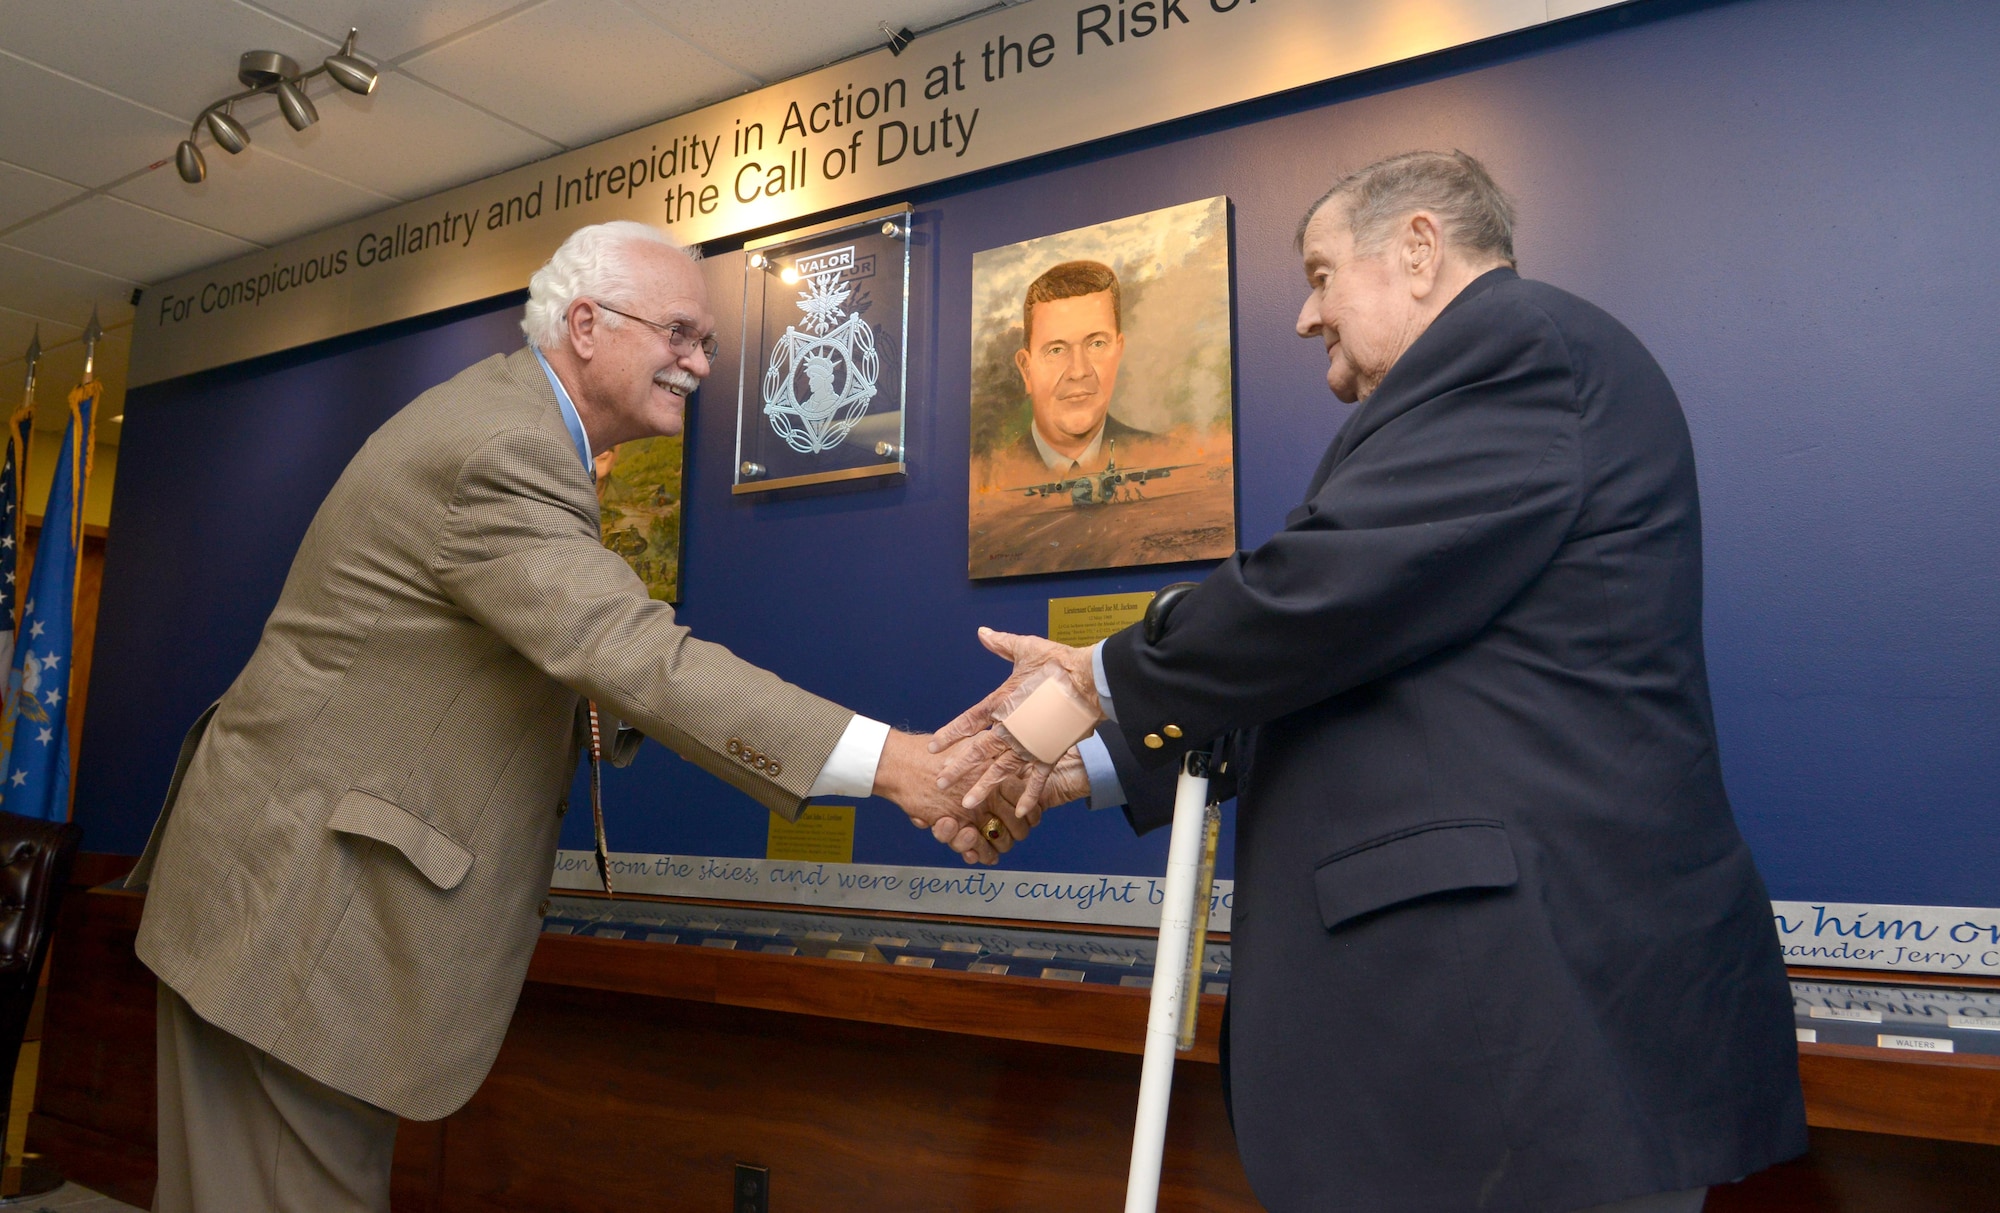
pixel 35 861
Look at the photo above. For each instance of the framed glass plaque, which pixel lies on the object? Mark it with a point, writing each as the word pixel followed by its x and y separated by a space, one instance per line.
pixel 826 320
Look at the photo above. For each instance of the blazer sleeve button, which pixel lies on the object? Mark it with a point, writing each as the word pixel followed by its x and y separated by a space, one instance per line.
pixel 1172 730
pixel 543 910
pixel 735 746
pixel 776 770
pixel 1154 741
pixel 562 806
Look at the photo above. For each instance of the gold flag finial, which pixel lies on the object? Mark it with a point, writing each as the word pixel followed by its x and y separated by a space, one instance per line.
pixel 91 334
pixel 34 361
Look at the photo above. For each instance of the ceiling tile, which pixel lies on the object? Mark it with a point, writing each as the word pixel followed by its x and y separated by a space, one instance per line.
pixel 406 139
pixel 579 70
pixel 255 195
pixel 179 61
pixel 24 193
pixel 774 39
pixel 390 28
pixel 64 293
pixel 114 237
pixel 72 131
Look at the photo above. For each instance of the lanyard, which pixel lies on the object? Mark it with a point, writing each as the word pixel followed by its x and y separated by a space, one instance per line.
pixel 597 802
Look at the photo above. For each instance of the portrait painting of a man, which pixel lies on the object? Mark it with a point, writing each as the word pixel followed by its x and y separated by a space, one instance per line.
pixel 1101 418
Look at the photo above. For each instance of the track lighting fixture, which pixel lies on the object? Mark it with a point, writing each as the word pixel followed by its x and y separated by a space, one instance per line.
pixel 279 75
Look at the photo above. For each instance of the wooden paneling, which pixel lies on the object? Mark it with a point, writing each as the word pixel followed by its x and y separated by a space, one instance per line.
pixel 634 1077
pixel 1952 1097
pixel 94 868
pixel 1847 1172
pixel 633 1070
pixel 94 1109
pixel 649 1102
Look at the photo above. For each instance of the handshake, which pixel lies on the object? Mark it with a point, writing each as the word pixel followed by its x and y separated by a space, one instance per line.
pixel 974 784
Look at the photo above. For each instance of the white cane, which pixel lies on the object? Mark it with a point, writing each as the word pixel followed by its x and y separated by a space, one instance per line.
pixel 1177 963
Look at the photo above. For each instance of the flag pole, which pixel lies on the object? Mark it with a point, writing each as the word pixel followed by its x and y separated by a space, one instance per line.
pixel 92 333
pixel 34 357
pixel 83 451
pixel 21 427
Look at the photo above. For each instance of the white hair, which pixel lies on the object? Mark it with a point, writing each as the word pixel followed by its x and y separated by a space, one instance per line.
pixel 1458 189
pixel 594 263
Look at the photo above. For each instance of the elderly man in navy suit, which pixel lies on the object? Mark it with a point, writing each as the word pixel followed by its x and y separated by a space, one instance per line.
pixel 1498 942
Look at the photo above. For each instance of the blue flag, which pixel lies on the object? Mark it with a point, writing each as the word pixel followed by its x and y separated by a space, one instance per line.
pixel 34 765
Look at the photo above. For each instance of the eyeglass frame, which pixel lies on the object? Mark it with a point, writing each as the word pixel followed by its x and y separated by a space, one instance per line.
pixel 674 332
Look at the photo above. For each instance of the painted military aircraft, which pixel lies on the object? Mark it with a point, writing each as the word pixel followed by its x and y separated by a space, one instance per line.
pixel 1113 484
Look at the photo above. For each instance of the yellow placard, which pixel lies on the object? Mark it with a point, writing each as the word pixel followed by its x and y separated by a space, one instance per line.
pixel 1090 618
pixel 824 833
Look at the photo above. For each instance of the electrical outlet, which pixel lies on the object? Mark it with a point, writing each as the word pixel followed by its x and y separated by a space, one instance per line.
pixel 753 1189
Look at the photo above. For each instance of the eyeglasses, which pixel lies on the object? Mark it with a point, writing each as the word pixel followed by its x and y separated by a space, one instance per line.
pixel 679 338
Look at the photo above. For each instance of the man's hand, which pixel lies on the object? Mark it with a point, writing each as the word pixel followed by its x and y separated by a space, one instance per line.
pixel 985 756
pixel 1067 781
pixel 910 773
pixel 1029 655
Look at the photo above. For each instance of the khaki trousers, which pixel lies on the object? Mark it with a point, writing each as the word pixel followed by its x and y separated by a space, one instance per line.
pixel 242 1132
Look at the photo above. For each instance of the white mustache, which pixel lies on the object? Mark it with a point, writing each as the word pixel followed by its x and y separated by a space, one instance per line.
pixel 677 380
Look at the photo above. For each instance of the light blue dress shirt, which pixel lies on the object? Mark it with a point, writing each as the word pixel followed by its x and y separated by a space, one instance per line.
pixel 1105 790
pixel 571 420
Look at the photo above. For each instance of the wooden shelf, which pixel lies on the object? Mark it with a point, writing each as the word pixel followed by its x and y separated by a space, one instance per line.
pixel 1949 1097
pixel 1106 1018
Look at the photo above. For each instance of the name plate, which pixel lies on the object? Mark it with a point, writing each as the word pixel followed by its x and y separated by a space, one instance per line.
pixel 1921 1044
pixel 1083 621
pixel 824 833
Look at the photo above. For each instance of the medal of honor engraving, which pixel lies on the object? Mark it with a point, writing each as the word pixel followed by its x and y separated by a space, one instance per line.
pixel 825 328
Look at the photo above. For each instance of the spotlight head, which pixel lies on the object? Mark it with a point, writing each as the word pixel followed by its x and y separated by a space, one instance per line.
pixel 187 160
pixel 297 107
pixel 898 38
pixel 229 133
pixel 349 72
pixel 757 261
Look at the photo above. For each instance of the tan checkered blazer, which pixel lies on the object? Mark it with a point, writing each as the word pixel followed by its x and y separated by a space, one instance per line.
pixel 349 867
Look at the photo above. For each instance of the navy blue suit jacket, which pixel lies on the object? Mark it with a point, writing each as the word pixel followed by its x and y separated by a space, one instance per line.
pixel 1498 944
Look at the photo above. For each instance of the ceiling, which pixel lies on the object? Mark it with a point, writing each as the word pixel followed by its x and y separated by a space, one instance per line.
pixel 97 93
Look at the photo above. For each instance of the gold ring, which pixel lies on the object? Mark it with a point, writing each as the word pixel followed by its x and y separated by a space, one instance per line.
pixel 993 829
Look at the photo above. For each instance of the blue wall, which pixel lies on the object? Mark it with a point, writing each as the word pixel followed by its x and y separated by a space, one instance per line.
pixel 1792 202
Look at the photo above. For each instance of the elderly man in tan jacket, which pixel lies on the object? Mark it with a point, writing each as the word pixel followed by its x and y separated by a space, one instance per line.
pixel 345 880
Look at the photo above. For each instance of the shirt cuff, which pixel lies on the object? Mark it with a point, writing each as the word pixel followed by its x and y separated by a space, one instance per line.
pixel 1103 685
pixel 1105 790
pixel 850 769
